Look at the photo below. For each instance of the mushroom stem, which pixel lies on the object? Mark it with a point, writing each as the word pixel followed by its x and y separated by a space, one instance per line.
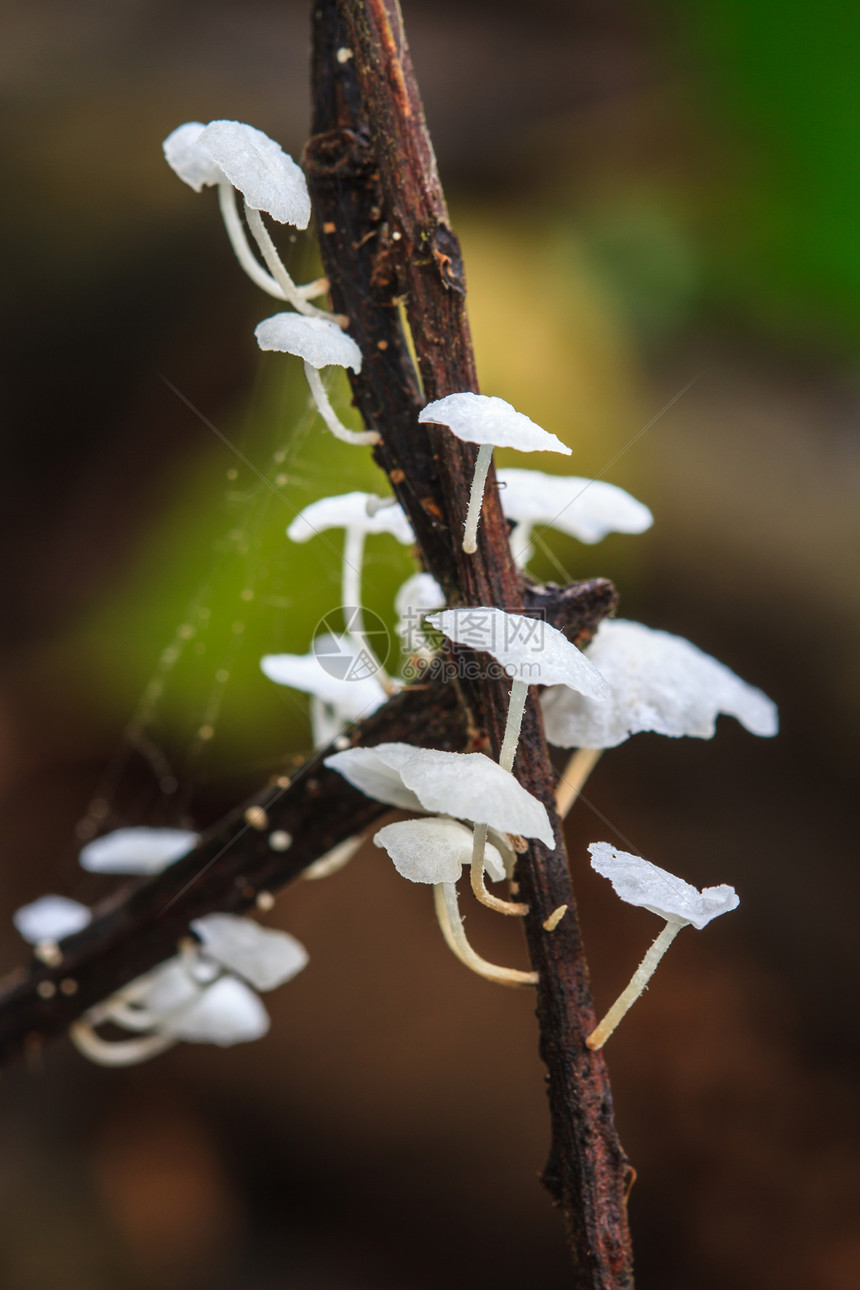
pixel 476 497
pixel 328 414
pixel 353 613
pixel 451 923
pixel 573 777
pixel 513 724
pixel 275 264
pixel 516 707
pixel 239 242
pixel 479 843
pixel 123 1052
pixel 638 982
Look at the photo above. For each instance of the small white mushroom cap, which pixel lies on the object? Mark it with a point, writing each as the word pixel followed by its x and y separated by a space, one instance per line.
pixel 50 918
pixel 467 785
pixel 225 1013
pixel 486 419
pixel 171 986
pixel 638 882
pixel 434 850
pixel 137 850
pixel 191 163
pixel 659 682
pixel 267 177
pixel 419 594
pixel 264 956
pixel 320 342
pixel 529 649
pixel 587 509
pixel 349 511
pixel 347 688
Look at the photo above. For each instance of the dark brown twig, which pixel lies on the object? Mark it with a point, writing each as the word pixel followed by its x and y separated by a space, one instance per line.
pixel 387 242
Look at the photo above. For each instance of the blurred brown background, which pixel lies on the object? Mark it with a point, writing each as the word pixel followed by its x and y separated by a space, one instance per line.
pixel 648 196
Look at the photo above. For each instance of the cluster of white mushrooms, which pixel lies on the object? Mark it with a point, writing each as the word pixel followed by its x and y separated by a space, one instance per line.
pixel 207 993
pixel 466 808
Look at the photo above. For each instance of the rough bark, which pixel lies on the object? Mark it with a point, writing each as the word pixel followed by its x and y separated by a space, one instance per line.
pixel 387 245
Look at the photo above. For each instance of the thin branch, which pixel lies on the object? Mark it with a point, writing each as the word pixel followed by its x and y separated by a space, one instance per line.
pixel 387 243
pixel 140 925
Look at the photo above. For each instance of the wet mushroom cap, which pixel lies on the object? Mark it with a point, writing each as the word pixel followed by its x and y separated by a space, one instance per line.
pixel 320 342
pixel 529 649
pixel 349 511
pixel 188 160
pixel 659 682
pixel 638 882
pixel 486 419
pixel 468 786
pixel 264 956
pixel 137 850
pixel 434 850
pixel 586 509
pixel 264 174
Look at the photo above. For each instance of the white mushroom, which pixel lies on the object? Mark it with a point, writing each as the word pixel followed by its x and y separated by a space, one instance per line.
pixel 491 423
pixel 351 513
pixel 418 596
pixel 264 956
pixel 659 682
pixel 319 342
pixel 587 509
pixel 343 686
pixel 638 882
pixel 50 919
pixel 137 850
pixel 196 166
pixel 532 653
pixel 467 786
pixel 434 851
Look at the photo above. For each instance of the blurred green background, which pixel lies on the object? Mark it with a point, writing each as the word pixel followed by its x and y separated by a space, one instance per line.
pixel 659 207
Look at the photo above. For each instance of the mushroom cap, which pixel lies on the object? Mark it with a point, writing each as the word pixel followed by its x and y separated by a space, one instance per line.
pixel 226 1012
pixel 264 956
pixel 434 850
pixel 265 175
pixel 191 163
pixel 486 419
pixel 345 686
pixel 50 918
pixel 587 509
pixel 419 594
pixel 137 850
pixel 349 511
pixel 529 649
pixel 170 986
pixel 639 882
pixel 319 341
pixel 659 682
pixel 468 786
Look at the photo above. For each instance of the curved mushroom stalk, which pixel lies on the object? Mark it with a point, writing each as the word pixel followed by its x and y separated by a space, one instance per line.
pixel 249 262
pixel 291 293
pixel 118 1052
pixel 448 915
pixel 638 882
pixel 479 886
pixel 328 414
